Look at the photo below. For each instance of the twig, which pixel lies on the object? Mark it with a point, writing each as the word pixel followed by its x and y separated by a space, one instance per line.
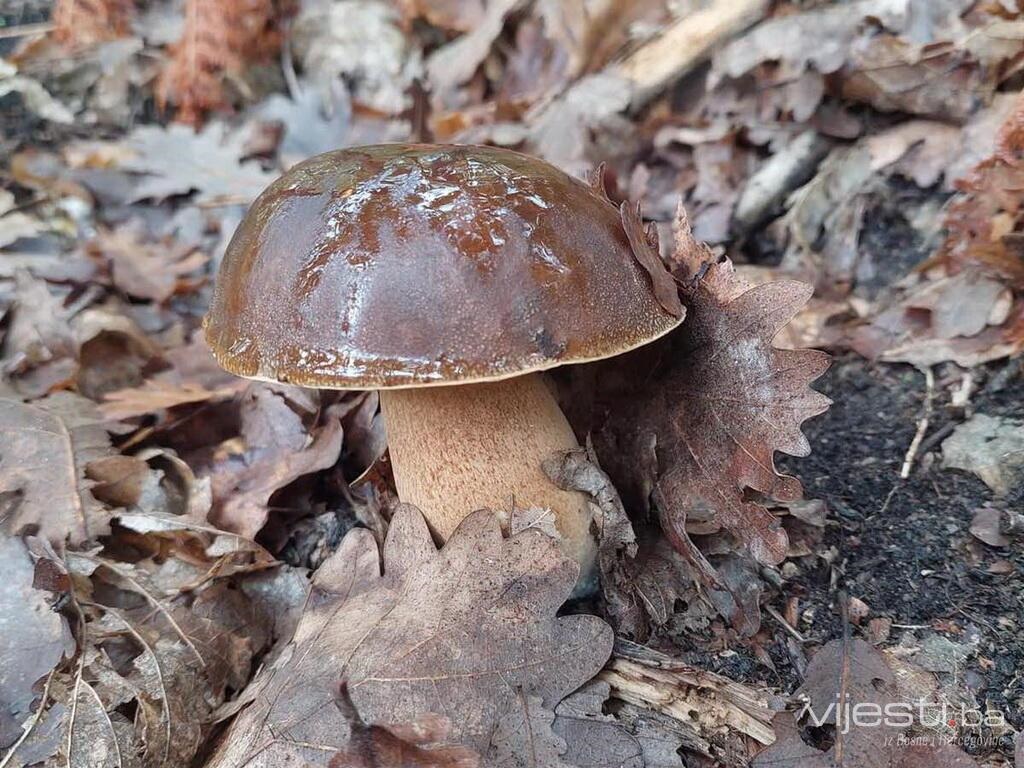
pixel 937 436
pixel 32 724
pixel 683 45
pixel 922 425
pixel 23 30
pixel 839 748
pixel 141 590
pixel 785 624
pixel 73 714
pixel 159 673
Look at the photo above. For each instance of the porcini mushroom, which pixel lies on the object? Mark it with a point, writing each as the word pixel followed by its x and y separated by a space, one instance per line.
pixel 448 278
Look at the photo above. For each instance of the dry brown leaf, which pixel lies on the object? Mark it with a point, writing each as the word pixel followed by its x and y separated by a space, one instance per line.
pixel 458 15
pixel 278 448
pixel 850 673
pixel 965 305
pixel 112 350
pixel 166 636
pixel 44 453
pixel 178 160
pixel 916 56
pixel 194 377
pixel 721 405
pixel 789 750
pixel 144 270
pixel 39 341
pixel 461 632
pixel 932 755
pixel 33 639
pixel 454 64
pixel 363 43
pixel 986 220
pixel 406 745
pixel 593 738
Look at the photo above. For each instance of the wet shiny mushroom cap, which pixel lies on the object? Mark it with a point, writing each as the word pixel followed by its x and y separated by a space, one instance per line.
pixel 410 265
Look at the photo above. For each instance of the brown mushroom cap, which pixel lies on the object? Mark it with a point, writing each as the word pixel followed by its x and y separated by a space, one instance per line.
pixel 408 265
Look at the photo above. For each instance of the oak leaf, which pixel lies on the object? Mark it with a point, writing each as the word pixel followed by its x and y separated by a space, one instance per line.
pixel 278 447
pixel 144 270
pixel 464 632
pixel 405 745
pixel 178 161
pixel 720 403
pixel 844 673
pixel 45 449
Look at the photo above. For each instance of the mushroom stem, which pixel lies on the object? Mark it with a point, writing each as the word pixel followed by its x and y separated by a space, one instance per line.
pixel 461 448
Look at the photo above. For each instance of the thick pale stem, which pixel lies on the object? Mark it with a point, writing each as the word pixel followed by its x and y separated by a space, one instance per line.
pixel 461 448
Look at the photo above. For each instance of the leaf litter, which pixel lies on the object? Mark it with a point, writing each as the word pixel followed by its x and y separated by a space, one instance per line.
pixel 158 496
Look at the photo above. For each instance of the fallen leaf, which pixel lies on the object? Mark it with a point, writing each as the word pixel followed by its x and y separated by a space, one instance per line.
pixel 194 377
pixel 991 447
pixel 406 745
pixel 464 632
pixel 593 738
pixel 278 449
pixel 15 225
pixel 45 453
pixel 789 750
pixel 616 542
pixel 523 738
pixel 986 527
pixel 168 635
pixel 914 56
pixel 112 350
pixel 36 98
pixel 724 404
pixel 931 755
pixel 453 64
pixel 39 338
pixel 176 161
pixel 33 639
pixel 962 304
pixel 921 150
pixel 848 670
pixel 145 270
pixel 458 15
pixel 562 131
pixel 361 42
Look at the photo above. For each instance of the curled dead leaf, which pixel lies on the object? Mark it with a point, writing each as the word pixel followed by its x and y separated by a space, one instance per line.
pixel 462 631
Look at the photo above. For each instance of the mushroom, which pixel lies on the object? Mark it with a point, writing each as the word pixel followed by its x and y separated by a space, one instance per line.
pixel 448 278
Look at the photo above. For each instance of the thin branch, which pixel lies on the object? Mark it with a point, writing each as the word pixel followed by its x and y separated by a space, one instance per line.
pixel 141 589
pixel 32 724
pixel 922 425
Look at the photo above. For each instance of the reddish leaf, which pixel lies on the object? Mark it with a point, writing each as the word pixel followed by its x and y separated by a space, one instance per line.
pixel 87 22
pixel 278 449
pixel 721 402
pixel 218 39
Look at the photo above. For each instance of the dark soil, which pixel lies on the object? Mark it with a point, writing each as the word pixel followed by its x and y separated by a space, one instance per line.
pixel 904 547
